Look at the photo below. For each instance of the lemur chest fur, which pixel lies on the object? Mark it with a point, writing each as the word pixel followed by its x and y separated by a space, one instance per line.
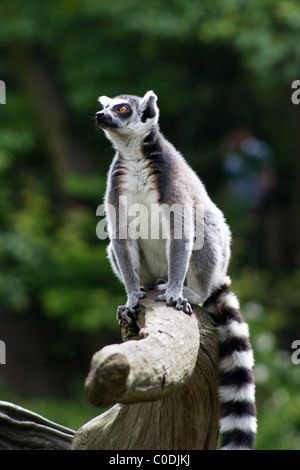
pixel 138 185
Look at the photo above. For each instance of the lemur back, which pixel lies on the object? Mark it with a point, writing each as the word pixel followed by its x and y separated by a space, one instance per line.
pixel 182 248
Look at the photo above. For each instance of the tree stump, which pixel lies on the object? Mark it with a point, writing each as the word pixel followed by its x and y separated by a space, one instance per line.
pixel 164 379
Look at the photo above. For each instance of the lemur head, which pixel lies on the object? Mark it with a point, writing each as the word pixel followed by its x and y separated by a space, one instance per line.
pixel 128 116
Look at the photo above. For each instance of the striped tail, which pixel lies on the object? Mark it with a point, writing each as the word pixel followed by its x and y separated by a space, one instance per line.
pixel 237 389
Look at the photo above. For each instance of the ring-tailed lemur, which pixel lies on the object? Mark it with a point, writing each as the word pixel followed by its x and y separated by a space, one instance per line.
pixel 147 170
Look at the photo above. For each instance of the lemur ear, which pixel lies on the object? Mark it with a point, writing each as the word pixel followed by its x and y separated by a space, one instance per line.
pixel 104 100
pixel 148 106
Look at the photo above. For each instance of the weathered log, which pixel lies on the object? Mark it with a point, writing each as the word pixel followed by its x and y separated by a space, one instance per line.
pixel 161 360
pixel 21 429
pixel 165 382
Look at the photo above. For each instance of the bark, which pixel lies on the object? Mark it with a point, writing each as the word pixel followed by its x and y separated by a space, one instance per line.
pixel 21 429
pixel 165 383
pixel 162 382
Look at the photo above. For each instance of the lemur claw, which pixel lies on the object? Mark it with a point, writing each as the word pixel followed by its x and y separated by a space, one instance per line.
pixel 142 294
pixel 186 307
pixel 179 303
pixel 130 314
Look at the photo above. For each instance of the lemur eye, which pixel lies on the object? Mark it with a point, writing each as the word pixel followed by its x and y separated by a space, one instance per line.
pixel 123 109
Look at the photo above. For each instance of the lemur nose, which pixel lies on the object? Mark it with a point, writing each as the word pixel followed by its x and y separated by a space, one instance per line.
pixel 99 117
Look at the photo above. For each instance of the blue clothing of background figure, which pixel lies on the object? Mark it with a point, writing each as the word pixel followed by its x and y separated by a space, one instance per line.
pixel 249 168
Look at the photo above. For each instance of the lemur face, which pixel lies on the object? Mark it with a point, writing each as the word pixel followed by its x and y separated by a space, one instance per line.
pixel 128 115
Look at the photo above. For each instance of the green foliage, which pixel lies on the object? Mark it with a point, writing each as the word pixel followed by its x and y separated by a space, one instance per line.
pixel 215 66
pixel 63 265
pixel 72 413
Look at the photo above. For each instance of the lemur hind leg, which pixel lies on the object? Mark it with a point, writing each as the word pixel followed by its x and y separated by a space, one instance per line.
pixel 124 311
pixel 161 285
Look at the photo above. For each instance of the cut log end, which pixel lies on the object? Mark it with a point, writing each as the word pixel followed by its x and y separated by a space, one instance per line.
pixel 107 378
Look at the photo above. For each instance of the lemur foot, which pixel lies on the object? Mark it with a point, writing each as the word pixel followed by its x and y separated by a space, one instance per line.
pixel 130 314
pixel 142 293
pixel 178 302
pixel 161 285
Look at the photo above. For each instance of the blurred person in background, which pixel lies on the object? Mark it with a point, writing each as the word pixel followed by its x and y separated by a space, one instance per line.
pixel 251 178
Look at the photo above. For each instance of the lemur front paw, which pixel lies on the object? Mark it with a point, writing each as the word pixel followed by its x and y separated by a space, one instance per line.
pixel 130 314
pixel 178 302
pixel 130 311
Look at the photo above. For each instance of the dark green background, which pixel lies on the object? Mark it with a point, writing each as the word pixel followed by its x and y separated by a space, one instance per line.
pixel 215 66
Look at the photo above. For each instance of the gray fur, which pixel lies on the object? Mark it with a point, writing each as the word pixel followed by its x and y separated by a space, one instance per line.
pixel 148 170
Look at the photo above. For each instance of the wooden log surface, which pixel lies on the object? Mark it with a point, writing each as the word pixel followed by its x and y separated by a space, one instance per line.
pixel 22 429
pixel 165 384
pixel 159 362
